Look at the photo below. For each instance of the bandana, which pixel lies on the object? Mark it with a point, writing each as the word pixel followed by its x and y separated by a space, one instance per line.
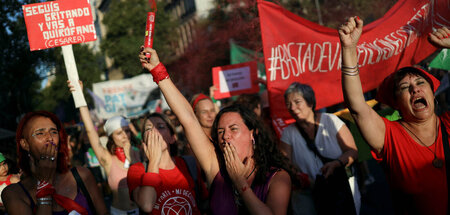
pixel 200 97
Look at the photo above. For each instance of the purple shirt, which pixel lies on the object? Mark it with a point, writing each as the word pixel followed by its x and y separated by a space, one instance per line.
pixel 222 200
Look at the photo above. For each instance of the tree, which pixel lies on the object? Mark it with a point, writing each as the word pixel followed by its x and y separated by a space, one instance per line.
pixel 239 20
pixel 57 98
pixel 125 22
pixel 20 69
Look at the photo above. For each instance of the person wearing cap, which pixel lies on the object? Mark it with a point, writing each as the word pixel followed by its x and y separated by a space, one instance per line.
pixel 5 177
pixel 204 110
pixel 411 150
pixel 47 185
pixel 115 158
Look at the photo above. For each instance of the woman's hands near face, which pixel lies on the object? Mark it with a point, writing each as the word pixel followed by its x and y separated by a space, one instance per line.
pixel 440 38
pixel 44 167
pixel 237 170
pixel 153 147
pixel 350 32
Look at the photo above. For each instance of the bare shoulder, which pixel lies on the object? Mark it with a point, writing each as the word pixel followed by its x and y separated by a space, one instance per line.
pixel 12 191
pixel 84 172
pixel 15 178
pixel 281 178
pixel 13 196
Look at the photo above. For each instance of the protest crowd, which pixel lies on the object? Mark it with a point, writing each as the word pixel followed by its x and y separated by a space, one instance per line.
pixel 204 156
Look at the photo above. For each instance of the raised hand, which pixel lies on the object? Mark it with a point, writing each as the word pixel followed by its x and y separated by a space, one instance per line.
pixel 72 88
pixel 350 32
pixel 153 147
pixel 147 63
pixel 440 38
pixel 238 171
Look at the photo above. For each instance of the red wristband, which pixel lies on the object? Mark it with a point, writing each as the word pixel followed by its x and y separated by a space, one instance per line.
pixel 151 179
pixel 159 73
pixel 44 189
pixel 244 188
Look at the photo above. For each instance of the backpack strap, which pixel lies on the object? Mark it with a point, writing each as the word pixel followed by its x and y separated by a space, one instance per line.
pixel 80 184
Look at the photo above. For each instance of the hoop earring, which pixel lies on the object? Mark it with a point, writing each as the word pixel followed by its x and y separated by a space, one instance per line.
pixel 254 144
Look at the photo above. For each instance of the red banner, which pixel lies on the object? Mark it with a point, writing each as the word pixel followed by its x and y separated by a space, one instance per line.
pixel 296 49
pixel 58 23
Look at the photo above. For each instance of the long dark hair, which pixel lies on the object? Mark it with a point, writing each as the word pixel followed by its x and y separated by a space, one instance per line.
pixel 63 151
pixel 266 152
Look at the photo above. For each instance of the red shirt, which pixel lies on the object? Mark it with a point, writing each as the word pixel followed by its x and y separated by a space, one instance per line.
pixel 417 186
pixel 175 196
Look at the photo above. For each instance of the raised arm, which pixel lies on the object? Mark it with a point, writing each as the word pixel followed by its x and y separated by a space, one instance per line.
pixel 104 157
pixel 369 122
pixel 201 146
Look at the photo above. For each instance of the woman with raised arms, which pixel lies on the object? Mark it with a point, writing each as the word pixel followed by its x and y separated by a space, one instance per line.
pixel 411 149
pixel 244 169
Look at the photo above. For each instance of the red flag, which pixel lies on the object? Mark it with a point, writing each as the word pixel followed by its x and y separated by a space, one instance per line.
pixel 296 49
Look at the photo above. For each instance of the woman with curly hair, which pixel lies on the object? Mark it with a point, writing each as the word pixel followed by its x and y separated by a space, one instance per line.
pixel 245 170
pixel 47 186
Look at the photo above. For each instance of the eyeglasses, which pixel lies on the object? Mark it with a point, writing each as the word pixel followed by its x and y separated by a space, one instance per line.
pixel 41 134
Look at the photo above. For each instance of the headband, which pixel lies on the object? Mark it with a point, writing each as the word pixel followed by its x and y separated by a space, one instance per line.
pixel 200 97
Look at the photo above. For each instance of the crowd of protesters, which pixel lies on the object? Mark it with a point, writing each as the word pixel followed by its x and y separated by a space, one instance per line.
pixel 199 158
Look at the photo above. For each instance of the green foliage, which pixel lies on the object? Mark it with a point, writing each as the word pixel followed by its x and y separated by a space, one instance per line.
pixel 125 22
pixel 19 68
pixel 57 97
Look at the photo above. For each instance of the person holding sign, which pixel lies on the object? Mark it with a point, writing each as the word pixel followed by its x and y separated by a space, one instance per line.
pixel 47 186
pixel 411 149
pixel 116 158
pixel 246 172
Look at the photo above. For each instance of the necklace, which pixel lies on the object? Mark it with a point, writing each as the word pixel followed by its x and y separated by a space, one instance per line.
pixel 251 172
pixel 437 163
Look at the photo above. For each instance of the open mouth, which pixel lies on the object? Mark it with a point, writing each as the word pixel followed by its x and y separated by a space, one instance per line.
pixel 419 103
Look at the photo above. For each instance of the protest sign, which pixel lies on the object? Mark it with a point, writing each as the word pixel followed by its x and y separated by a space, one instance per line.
pixel 61 23
pixel 126 97
pixel 239 54
pixel 235 79
pixel 58 23
pixel 296 49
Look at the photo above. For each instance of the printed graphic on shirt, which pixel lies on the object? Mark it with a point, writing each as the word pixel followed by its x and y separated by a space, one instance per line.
pixel 176 202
